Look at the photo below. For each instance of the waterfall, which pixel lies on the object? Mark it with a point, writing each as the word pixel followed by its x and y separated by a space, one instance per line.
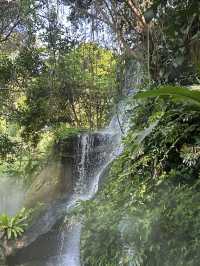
pixel 58 242
pixel 72 246
pixel 84 147
pixel 95 153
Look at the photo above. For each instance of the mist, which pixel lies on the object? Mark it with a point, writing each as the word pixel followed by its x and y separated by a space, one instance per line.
pixel 11 196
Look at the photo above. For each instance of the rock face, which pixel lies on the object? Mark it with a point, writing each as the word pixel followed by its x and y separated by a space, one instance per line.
pixel 67 176
pixel 50 190
pixel 2 256
pixel 56 179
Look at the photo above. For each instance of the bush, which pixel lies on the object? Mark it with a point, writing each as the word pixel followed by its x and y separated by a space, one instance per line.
pixel 148 212
pixel 13 227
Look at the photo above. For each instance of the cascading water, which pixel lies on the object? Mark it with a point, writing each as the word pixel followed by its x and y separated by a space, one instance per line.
pixel 93 160
pixel 84 146
pixel 72 246
pixel 58 244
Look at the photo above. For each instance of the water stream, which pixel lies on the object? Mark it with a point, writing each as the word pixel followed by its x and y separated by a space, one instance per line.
pixel 90 168
pixel 59 245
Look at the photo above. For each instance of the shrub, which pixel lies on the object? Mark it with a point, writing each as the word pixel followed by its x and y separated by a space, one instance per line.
pixel 14 226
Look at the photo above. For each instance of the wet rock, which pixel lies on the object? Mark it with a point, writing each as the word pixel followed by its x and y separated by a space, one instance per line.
pixel 56 179
pixel 2 255
pixel 76 161
pixel 49 192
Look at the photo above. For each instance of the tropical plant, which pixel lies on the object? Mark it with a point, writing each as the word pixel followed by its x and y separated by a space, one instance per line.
pixel 178 93
pixel 14 226
pixel 147 212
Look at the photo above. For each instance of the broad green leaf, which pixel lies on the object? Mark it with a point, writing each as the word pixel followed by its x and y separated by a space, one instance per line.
pixel 180 93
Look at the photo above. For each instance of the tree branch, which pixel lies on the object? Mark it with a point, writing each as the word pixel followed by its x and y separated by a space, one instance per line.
pixel 137 13
pixel 5 38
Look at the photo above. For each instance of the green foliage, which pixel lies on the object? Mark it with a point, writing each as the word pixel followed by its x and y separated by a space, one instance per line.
pixel 77 88
pixel 87 73
pixel 173 43
pixel 63 132
pixel 13 227
pixel 148 211
pixel 28 62
pixel 179 93
pixel 21 160
pixel 8 148
pixel 50 85
pixel 6 68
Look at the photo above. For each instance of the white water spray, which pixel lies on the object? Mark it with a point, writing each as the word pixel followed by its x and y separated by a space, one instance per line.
pixel 90 175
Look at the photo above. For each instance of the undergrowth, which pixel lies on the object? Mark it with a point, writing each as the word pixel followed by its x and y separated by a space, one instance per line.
pixel 148 212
